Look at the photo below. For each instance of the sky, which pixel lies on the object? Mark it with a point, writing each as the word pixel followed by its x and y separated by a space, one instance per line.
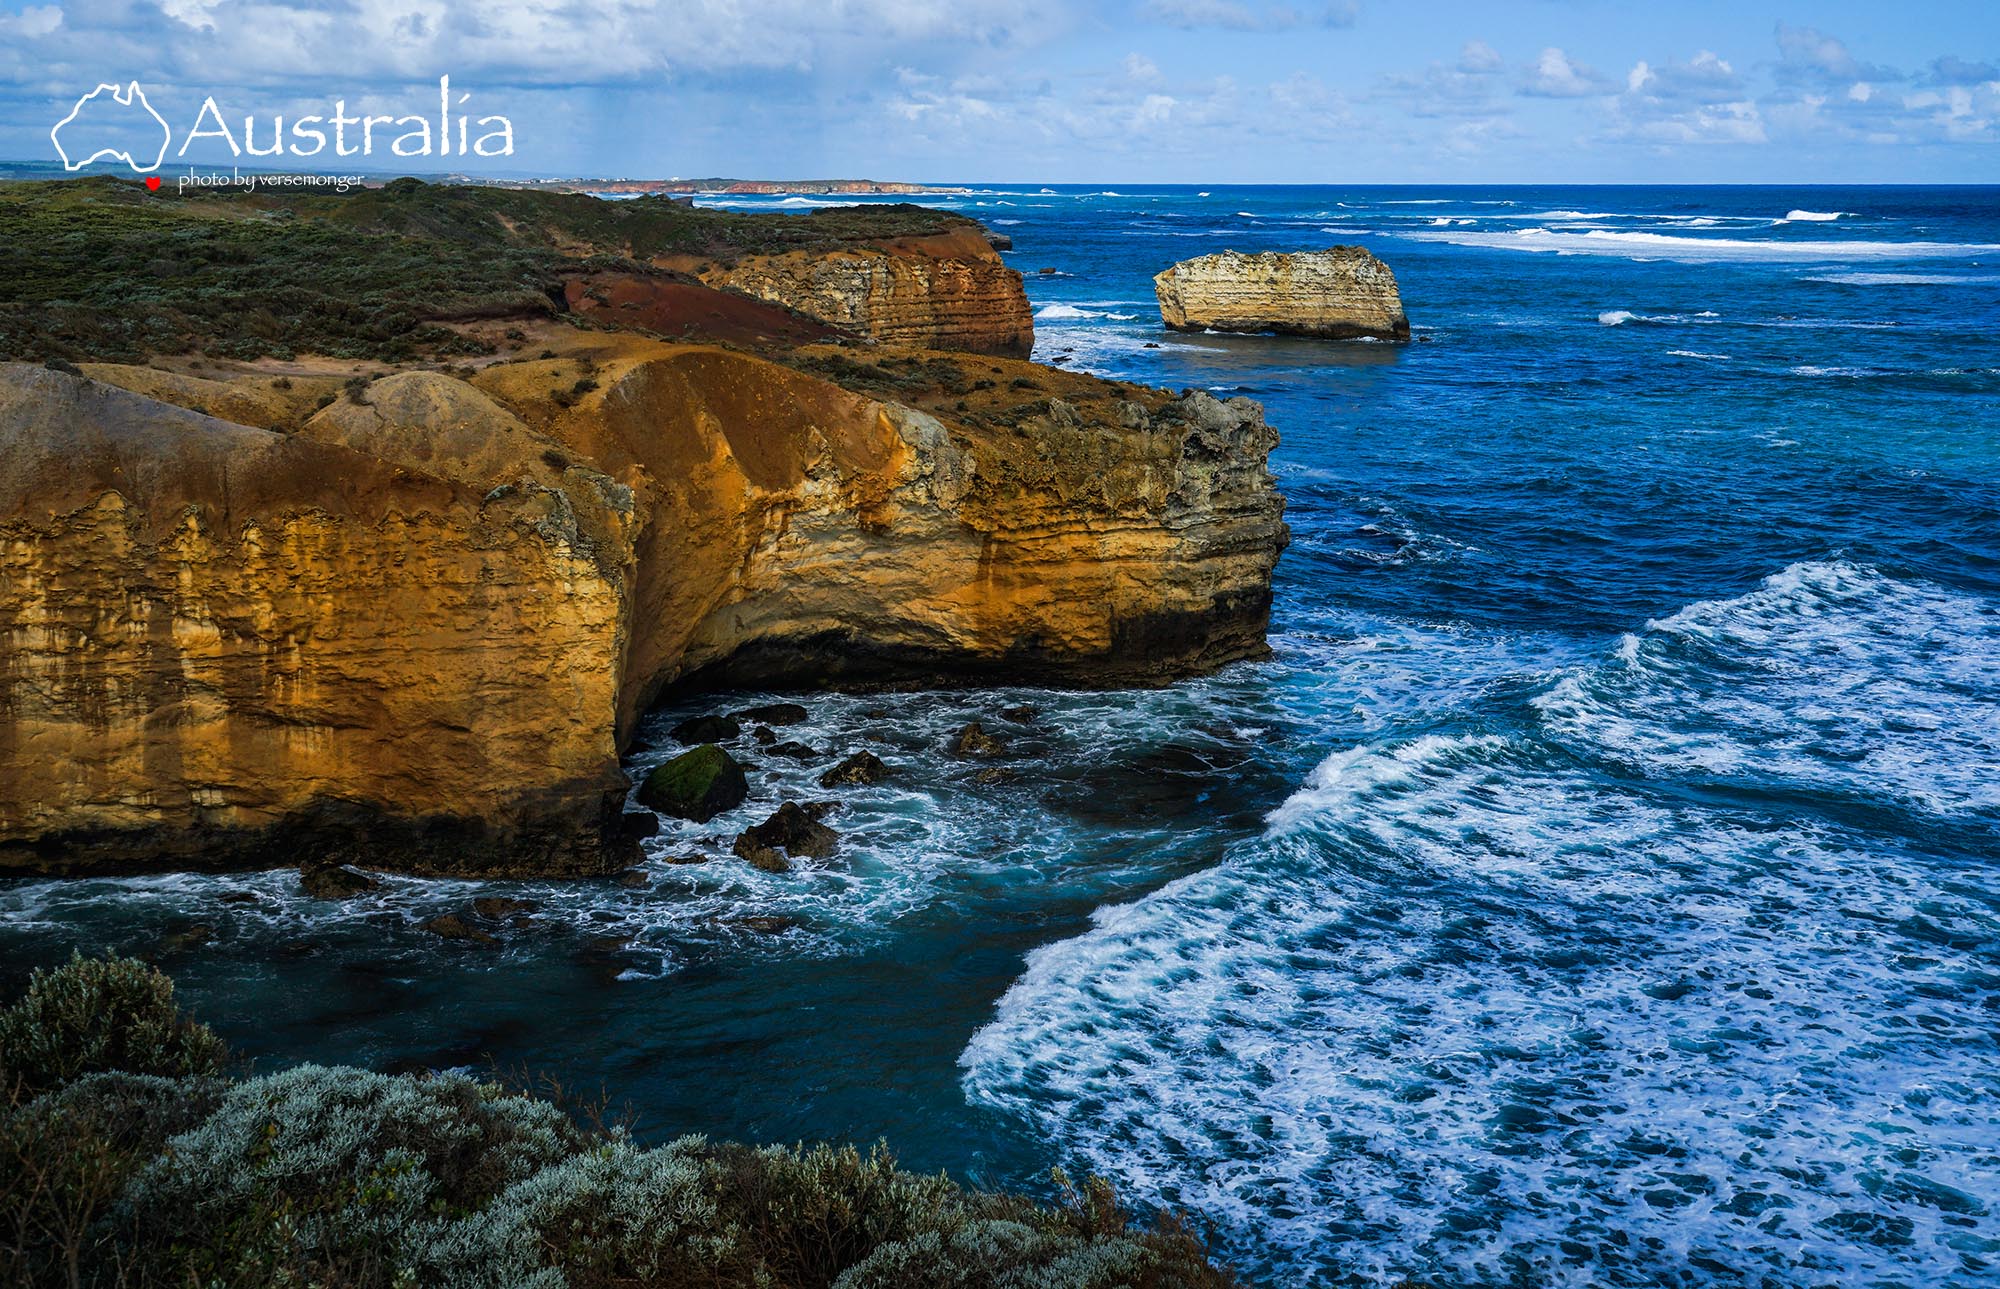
pixel 1141 91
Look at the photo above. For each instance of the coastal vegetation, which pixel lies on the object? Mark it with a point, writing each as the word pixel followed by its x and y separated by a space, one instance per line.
pixel 132 1155
pixel 102 270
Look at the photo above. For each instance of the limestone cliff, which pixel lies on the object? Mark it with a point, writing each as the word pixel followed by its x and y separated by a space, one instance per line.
pixel 221 645
pixel 1343 293
pixel 942 291
pixel 417 632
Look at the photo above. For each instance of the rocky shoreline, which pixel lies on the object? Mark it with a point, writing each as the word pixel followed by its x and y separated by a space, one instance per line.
pixel 292 610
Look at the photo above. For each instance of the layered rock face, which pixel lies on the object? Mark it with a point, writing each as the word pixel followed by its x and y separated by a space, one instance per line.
pixel 417 632
pixel 1343 293
pixel 946 291
pixel 220 645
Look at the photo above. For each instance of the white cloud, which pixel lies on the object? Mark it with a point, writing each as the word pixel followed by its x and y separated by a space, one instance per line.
pixel 32 22
pixel 1810 56
pixel 1141 68
pixel 1553 75
pixel 1478 58
pixel 1233 15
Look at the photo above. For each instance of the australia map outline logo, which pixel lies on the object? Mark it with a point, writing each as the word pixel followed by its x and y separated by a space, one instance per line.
pixel 105 121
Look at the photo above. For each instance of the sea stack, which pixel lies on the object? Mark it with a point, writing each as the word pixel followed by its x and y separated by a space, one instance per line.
pixel 1341 293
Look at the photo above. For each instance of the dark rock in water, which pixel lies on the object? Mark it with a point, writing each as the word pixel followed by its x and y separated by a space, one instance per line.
pixel 495 907
pixel 697 785
pixel 764 735
pixel 706 729
pixel 973 740
pixel 796 751
pixel 450 926
pixel 333 882
pixel 773 714
pixel 996 774
pixel 1023 715
pixel 793 830
pixel 240 897
pixel 687 859
pixel 1150 344
pixel 639 824
pixel 633 879
pixel 192 936
pixel 1045 272
pixel 758 855
pixel 862 767
pixel 1000 241
pixel 765 924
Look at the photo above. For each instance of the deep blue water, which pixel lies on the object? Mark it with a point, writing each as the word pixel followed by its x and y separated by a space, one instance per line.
pixel 1596 888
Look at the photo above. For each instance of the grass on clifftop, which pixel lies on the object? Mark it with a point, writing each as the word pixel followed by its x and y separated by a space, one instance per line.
pixel 100 269
pixel 128 1160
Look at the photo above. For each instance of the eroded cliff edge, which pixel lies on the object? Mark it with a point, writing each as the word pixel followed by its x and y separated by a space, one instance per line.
pixel 417 631
pixel 261 606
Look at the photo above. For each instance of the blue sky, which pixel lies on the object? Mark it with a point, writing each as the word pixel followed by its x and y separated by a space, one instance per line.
pixel 1192 91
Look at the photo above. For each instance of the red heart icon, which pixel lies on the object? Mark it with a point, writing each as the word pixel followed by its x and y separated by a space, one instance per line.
pixel 152 183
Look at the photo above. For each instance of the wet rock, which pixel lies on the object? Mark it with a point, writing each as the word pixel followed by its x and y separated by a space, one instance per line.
pixel 862 767
pixel 760 856
pixel 638 825
pixel 633 879
pixel 973 740
pixel 1022 715
pixel 697 785
pixel 796 751
pixel 240 897
pixel 450 926
pixel 1045 272
pixel 764 735
pixel 192 936
pixel 773 714
pixel 334 882
pixel 1000 241
pixel 706 729
pixel 995 774
pixel 765 924
pixel 794 831
pixel 687 859
pixel 496 907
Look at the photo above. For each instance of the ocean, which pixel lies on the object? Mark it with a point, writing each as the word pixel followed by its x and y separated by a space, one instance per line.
pixel 1595 888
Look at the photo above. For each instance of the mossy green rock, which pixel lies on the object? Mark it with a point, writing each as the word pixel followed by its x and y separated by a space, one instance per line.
pixel 697 785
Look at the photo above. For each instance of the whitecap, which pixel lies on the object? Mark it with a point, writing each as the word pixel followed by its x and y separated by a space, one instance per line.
pixel 1061 312
pixel 1697 249
pixel 1813 216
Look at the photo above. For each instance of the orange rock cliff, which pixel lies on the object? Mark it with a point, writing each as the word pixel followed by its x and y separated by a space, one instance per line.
pixel 415 626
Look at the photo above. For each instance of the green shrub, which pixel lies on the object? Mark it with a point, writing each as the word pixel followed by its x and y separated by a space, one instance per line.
pixel 95 1014
pixel 65 1158
pixel 339 1172
pixel 346 1179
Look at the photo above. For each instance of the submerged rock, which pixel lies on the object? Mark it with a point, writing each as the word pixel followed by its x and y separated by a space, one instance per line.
pixel 1023 715
pixel 1342 293
pixel 706 729
pixel 861 768
pixel 792 832
pixel 494 908
pixel 973 740
pixel 334 882
pixel 796 751
pixel 697 785
pixel 773 714
pixel 633 879
pixel 450 926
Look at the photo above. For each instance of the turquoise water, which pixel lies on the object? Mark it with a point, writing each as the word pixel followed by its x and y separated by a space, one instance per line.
pixel 1596 888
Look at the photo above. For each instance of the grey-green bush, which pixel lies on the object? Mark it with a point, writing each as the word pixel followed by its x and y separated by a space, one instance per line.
pixel 97 1014
pixel 339 1178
